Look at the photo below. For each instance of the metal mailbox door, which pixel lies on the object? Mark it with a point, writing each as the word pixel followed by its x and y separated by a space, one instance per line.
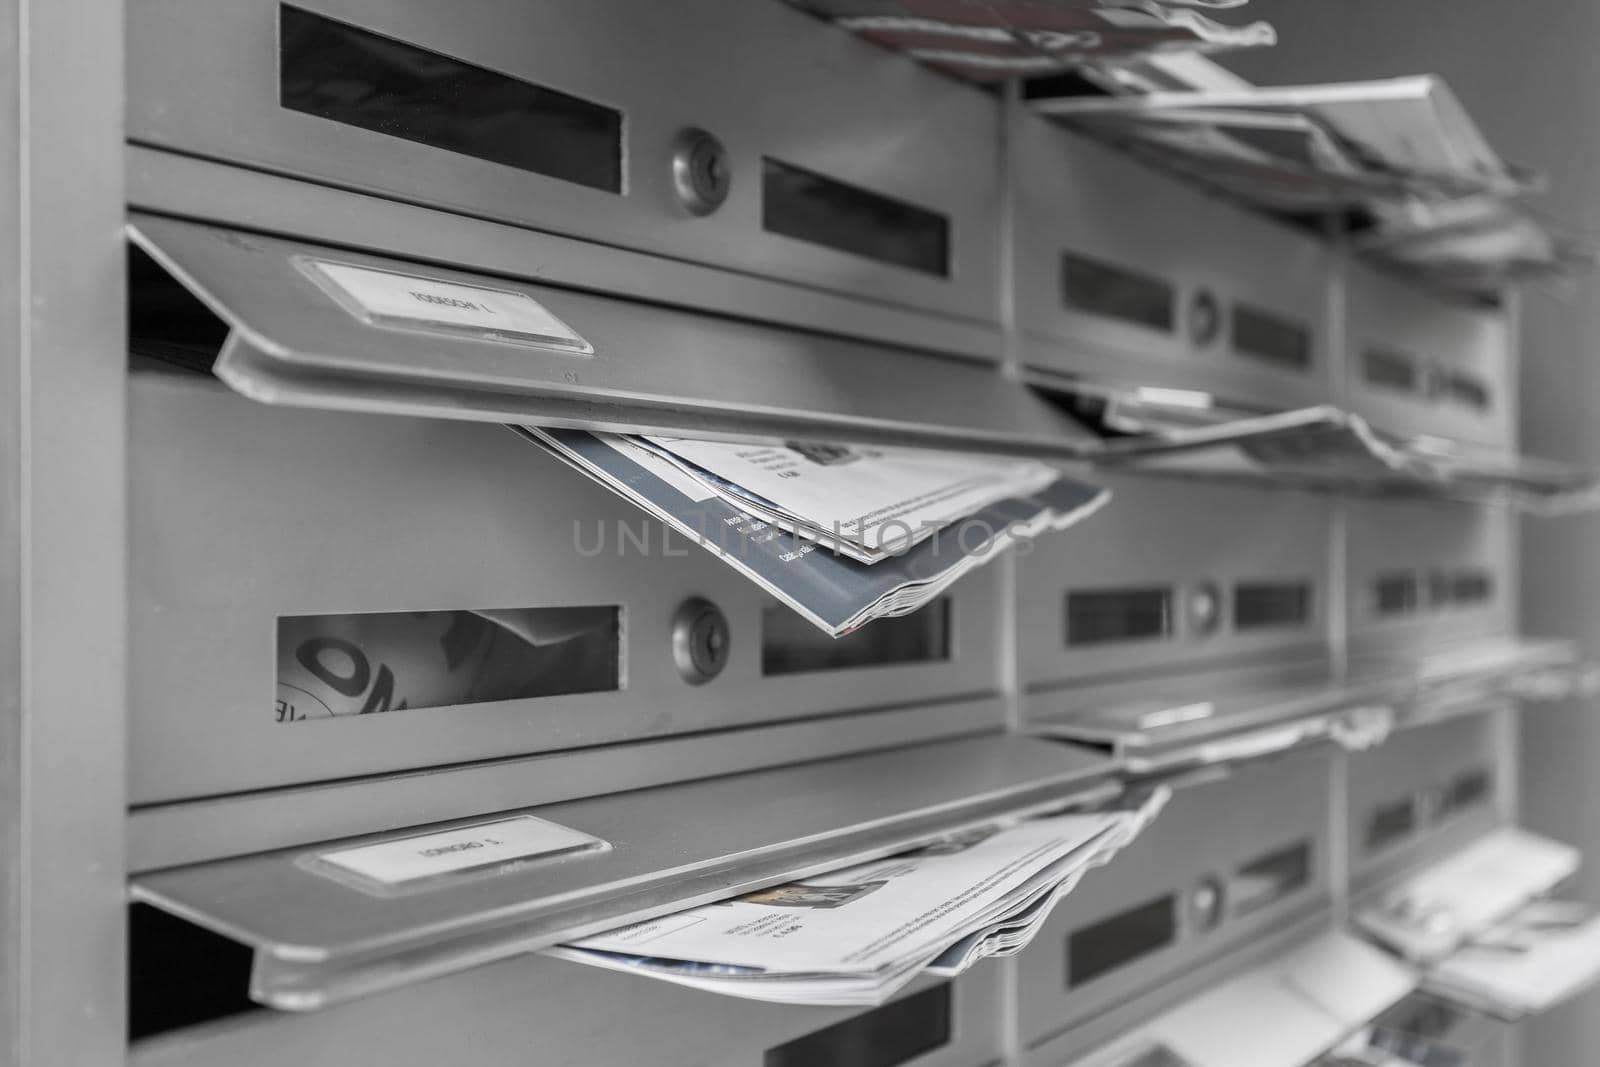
pixel 1418 363
pixel 746 136
pixel 1423 574
pixel 1175 574
pixel 1225 864
pixel 266 539
pixel 1126 274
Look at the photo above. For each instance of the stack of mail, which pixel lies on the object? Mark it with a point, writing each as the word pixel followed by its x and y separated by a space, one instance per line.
pixel 1304 146
pixel 841 534
pixel 855 936
pixel 1178 431
pixel 1545 954
pixel 987 40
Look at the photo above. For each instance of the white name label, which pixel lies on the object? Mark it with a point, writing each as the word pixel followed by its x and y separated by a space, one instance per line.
pixel 411 859
pixel 409 301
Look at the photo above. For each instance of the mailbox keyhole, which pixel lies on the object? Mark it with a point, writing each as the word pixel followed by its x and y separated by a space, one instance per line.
pixel 701 172
pixel 701 640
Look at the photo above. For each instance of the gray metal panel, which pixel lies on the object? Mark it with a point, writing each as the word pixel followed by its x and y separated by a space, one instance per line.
pixel 62 582
pixel 1388 314
pixel 553 1013
pixel 243 513
pixel 193 831
pixel 767 80
pixel 170 184
pixel 292 343
pixel 1081 197
pixel 1420 538
pixel 1206 832
pixel 319 941
pixel 1417 764
pixel 1182 535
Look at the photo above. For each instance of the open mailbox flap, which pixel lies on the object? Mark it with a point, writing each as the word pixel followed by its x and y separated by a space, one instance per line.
pixel 1466 675
pixel 1193 726
pixel 1435 911
pixel 1188 432
pixel 348 918
pixel 1281 1013
pixel 330 328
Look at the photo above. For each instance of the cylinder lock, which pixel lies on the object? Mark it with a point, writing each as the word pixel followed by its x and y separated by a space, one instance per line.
pixel 1205 318
pixel 1204 607
pixel 701 171
pixel 1207 902
pixel 701 640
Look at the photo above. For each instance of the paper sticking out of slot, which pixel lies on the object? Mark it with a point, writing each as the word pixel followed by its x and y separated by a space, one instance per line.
pixel 857 936
pixel 990 40
pixel 1319 447
pixel 841 534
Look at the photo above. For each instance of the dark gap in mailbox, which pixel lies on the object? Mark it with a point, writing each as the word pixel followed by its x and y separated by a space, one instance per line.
pixel 884 1037
pixel 1461 587
pixel 1101 616
pixel 347 74
pixel 1117 293
pixel 807 206
pixel 1270 338
pixel 1271 877
pixel 1466 390
pixel 1262 604
pixel 356 664
pixel 1390 370
pixel 180 974
pixel 1388 823
pixel 1121 939
pixel 1396 594
pixel 1465 791
pixel 166 322
pixel 792 645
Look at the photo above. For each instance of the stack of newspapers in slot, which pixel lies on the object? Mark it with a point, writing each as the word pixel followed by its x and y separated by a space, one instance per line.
pixel 1543 955
pixel 842 534
pixel 856 936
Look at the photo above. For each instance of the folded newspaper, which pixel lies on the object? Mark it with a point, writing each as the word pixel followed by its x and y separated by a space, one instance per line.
pixel 1352 142
pixel 843 535
pixel 986 40
pixel 1545 954
pixel 1183 432
pixel 855 936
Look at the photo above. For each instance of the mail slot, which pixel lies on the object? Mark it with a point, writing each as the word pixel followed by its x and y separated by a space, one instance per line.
pixel 487 600
pixel 1176 574
pixel 1228 863
pixel 746 137
pixel 1419 363
pixel 569 1013
pixel 1127 276
pixel 1421 794
pixel 1424 575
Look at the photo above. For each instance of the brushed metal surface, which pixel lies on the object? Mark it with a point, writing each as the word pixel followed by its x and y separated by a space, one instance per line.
pixel 1205 834
pixel 243 513
pixel 1185 536
pixel 1075 195
pixel 765 79
pixel 653 368
pixel 1385 312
